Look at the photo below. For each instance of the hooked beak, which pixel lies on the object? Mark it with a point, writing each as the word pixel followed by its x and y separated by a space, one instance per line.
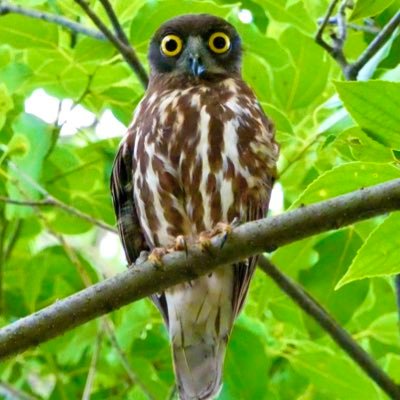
pixel 196 66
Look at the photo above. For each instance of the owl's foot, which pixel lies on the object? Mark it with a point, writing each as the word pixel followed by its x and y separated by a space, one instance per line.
pixel 156 255
pixel 220 228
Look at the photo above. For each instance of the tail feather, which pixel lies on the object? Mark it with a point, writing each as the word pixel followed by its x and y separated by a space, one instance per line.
pixel 198 369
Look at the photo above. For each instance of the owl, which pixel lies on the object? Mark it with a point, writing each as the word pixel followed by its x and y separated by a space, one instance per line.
pixel 200 152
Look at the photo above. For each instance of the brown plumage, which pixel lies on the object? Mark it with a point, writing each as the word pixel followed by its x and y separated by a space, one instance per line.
pixel 199 151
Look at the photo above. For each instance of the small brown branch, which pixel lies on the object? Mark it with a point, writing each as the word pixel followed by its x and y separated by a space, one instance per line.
pixel 126 51
pixel 374 46
pixel 320 32
pixel 52 201
pixel 351 70
pixel 245 241
pixel 119 32
pixel 6 8
pixel 92 369
pixel 308 304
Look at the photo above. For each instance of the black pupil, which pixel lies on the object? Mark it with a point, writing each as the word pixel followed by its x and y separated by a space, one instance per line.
pixel 219 42
pixel 171 45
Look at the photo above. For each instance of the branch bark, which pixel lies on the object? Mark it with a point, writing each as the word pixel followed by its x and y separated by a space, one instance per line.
pixel 351 70
pixel 125 49
pixel 308 304
pixel 246 240
pixel 6 8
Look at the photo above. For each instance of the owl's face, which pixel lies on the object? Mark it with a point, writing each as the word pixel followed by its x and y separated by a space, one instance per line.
pixel 197 45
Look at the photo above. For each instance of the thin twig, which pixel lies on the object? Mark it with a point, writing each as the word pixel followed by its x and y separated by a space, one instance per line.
pixel 355 27
pixel 52 201
pixel 126 51
pixel 351 70
pixel 119 32
pixel 6 8
pixel 308 304
pixel 319 35
pixel 92 369
pixel 374 46
pixel 146 278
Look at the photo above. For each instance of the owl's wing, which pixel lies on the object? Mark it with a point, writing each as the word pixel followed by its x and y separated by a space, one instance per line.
pixel 129 227
pixel 244 271
pixel 122 189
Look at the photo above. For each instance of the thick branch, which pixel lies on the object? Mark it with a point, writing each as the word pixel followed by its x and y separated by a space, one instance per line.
pixel 6 8
pixel 336 332
pixel 126 50
pixel 145 279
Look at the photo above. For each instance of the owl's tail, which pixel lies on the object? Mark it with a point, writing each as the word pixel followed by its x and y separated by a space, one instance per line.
pixel 198 369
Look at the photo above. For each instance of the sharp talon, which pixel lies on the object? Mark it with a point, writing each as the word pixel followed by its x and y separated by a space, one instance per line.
pixel 143 256
pixel 156 256
pixel 235 222
pixel 180 243
pixel 224 239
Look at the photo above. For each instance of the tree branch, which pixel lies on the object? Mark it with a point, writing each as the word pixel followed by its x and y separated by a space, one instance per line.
pixel 126 50
pixel 52 201
pixel 351 70
pixel 308 304
pixel 6 8
pixel 119 32
pixel 374 46
pixel 246 240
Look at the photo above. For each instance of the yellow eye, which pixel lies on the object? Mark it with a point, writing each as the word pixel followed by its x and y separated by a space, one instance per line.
pixel 171 45
pixel 219 42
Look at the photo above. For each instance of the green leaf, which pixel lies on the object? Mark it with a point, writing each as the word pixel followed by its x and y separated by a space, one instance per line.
pixel 332 373
pixel 379 255
pixel 336 252
pixel 295 15
pixel 369 8
pixel 148 377
pixel 245 355
pixel 22 32
pixel 344 179
pixel 295 84
pixel 362 147
pixel 6 104
pixel 385 329
pixel 375 106
pixel 392 366
pixel 253 41
pixel 34 137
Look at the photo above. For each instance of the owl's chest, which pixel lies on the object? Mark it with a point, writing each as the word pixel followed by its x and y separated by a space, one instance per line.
pixel 196 133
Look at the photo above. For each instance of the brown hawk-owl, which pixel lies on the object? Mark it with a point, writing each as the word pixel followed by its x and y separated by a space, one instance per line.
pixel 198 152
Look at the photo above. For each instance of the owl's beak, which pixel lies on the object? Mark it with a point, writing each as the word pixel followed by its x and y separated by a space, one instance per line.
pixel 196 66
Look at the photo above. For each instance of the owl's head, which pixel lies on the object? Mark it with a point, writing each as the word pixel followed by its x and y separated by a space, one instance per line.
pixel 197 45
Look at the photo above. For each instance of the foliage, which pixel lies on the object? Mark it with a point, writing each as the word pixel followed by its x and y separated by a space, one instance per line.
pixel 335 137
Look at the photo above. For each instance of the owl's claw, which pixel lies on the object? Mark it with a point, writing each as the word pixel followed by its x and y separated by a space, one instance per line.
pixel 220 228
pixel 156 255
pixel 181 245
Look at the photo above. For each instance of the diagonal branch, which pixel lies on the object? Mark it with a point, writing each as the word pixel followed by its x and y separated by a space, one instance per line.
pixel 126 50
pixel 374 46
pixel 6 8
pixel 334 330
pixel 119 32
pixel 246 240
pixel 52 201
